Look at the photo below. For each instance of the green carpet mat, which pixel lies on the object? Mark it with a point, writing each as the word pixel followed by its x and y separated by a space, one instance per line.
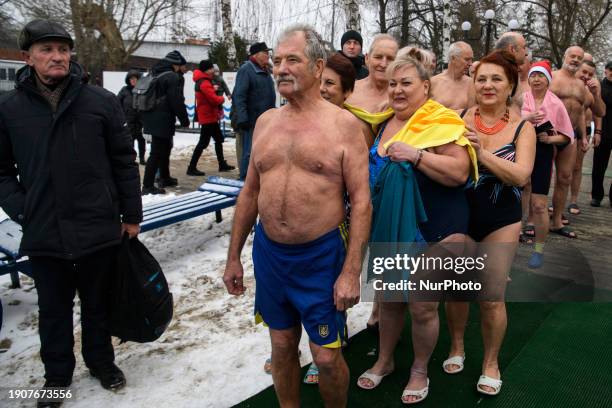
pixel 532 329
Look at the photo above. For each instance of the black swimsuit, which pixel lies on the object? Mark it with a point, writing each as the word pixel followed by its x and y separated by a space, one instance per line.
pixel 493 204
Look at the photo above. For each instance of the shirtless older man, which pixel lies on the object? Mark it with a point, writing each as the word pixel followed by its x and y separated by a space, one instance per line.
pixel 574 95
pixel 453 88
pixel 594 110
pixel 304 157
pixel 516 45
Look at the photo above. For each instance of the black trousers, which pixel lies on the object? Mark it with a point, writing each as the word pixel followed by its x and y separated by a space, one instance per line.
pixel 57 280
pixel 207 131
pixel 135 128
pixel 159 159
pixel 601 156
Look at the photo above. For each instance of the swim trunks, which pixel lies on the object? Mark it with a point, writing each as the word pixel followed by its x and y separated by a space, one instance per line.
pixel 295 284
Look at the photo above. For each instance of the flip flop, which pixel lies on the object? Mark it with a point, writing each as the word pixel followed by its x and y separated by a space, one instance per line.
pixel 488 382
pixel 564 231
pixel 422 394
pixel 529 230
pixel 312 375
pixel 268 366
pixel 454 360
pixel 375 378
pixel 573 209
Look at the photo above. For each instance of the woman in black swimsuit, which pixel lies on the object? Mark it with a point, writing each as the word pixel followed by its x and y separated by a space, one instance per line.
pixel 506 150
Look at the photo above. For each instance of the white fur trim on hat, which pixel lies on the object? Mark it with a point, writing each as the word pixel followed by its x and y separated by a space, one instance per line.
pixel 543 71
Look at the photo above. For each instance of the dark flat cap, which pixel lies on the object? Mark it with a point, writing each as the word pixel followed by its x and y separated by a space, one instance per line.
pixel 39 30
pixel 258 47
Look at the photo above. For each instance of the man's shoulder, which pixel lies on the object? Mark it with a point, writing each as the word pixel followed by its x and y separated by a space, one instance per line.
pixel 8 97
pixel 98 91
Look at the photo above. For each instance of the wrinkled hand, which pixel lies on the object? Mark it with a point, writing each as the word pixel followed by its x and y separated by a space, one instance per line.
pixel 474 140
pixel 401 152
pixel 584 144
pixel 346 291
pixel 131 229
pixel 232 278
pixel 596 139
pixel 535 117
pixel 593 86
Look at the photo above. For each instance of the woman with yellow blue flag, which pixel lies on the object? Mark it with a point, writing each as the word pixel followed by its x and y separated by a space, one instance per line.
pixel 422 147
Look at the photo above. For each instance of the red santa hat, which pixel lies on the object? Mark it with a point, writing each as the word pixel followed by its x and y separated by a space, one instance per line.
pixel 544 68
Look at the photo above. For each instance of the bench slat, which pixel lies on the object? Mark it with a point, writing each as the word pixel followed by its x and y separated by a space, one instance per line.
pixel 220 189
pixel 158 222
pixel 205 200
pixel 170 204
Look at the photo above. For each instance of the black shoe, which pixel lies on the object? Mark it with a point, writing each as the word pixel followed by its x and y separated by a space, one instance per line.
pixel 195 172
pixel 596 203
pixel 52 403
pixel 110 376
pixel 225 167
pixel 153 190
pixel 169 182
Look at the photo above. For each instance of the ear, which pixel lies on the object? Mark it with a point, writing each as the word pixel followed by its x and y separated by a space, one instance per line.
pixel 427 85
pixel 27 58
pixel 318 68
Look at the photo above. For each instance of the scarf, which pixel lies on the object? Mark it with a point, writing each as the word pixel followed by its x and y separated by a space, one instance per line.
pixel 52 95
pixel 373 119
pixel 435 125
pixel 554 112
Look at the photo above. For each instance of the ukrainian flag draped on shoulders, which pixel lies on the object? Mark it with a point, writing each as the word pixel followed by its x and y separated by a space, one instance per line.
pixel 373 119
pixel 435 125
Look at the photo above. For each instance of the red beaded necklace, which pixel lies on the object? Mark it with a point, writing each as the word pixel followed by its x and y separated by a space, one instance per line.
pixel 498 126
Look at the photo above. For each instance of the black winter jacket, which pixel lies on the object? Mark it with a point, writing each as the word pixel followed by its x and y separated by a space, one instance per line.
pixel 68 178
pixel 125 99
pixel 160 122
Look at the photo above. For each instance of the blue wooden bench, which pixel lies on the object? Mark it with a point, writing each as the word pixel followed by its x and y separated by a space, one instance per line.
pixel 213 196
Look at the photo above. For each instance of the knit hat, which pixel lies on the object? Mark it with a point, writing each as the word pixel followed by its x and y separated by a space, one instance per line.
pixel 175 58
pixel 351 35
pixel 205 65
pixel 543 67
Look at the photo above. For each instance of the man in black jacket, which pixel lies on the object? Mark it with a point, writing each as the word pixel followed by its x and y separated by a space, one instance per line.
pixel 132 116
pixel 160 122
pixel 68 175
pixel 351 46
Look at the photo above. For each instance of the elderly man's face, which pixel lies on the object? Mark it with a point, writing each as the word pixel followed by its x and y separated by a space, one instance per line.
pixel 351 48
pixel 293 71
pixel 50 60
pixel 262 58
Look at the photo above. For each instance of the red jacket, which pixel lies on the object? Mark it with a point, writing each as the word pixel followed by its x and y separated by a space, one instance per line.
pixel 207 101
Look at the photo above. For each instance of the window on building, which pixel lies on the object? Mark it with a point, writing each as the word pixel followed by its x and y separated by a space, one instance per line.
pixel 11 74
pixel 2 74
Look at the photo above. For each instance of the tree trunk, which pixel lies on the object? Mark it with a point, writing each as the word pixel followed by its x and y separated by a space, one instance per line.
pixel 353 19
pixel 382 15
pixel 405 31
pixel 446 31
pixel 228 32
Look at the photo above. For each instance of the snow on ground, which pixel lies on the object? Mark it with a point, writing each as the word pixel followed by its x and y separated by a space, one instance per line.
pixel 212 354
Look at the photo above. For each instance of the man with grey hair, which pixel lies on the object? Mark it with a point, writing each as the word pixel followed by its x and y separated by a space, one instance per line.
pixel 573 94
pixel 515 44
pixel 453 88
pixel 305 157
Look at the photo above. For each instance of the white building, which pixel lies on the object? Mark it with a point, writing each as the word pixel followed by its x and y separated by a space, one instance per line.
pixel 8 69
pixel 193 50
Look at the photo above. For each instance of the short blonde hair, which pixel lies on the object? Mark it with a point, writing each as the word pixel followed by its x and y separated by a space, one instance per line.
pixel 413 57
pixel 381 37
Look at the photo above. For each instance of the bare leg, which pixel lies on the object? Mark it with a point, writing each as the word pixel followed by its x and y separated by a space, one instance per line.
pixel 333 375
pixel 540 217
pixel 577 176
pixel 457 314
pixel 286 365
pixel 375 314
pixel 564 164
pixel 425 330
pixel 525 200
pixel 391 325
pixel 493 313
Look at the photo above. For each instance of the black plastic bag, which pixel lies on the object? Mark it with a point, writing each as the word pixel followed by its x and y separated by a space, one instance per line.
pixel 141 303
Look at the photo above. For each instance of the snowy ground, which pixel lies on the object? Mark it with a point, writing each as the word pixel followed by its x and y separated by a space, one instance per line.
pixel 212 354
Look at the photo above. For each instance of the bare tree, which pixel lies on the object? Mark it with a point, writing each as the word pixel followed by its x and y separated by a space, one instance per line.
pixel 228 32
pixel 107 32
pixel 353 18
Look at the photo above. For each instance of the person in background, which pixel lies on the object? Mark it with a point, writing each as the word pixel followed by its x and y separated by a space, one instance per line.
pixel 602 141
pixel 160 122
pixel 351 46
pixel 132 116
pixel 207 111
pixel 253 95
pixel 453 87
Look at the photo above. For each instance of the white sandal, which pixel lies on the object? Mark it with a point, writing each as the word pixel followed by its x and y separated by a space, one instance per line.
pixel 488 382
pixel 454 360
pixel 422 394
pixel 375 378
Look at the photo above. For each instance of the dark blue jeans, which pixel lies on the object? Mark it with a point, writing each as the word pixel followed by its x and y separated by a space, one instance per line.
pixel 247 141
